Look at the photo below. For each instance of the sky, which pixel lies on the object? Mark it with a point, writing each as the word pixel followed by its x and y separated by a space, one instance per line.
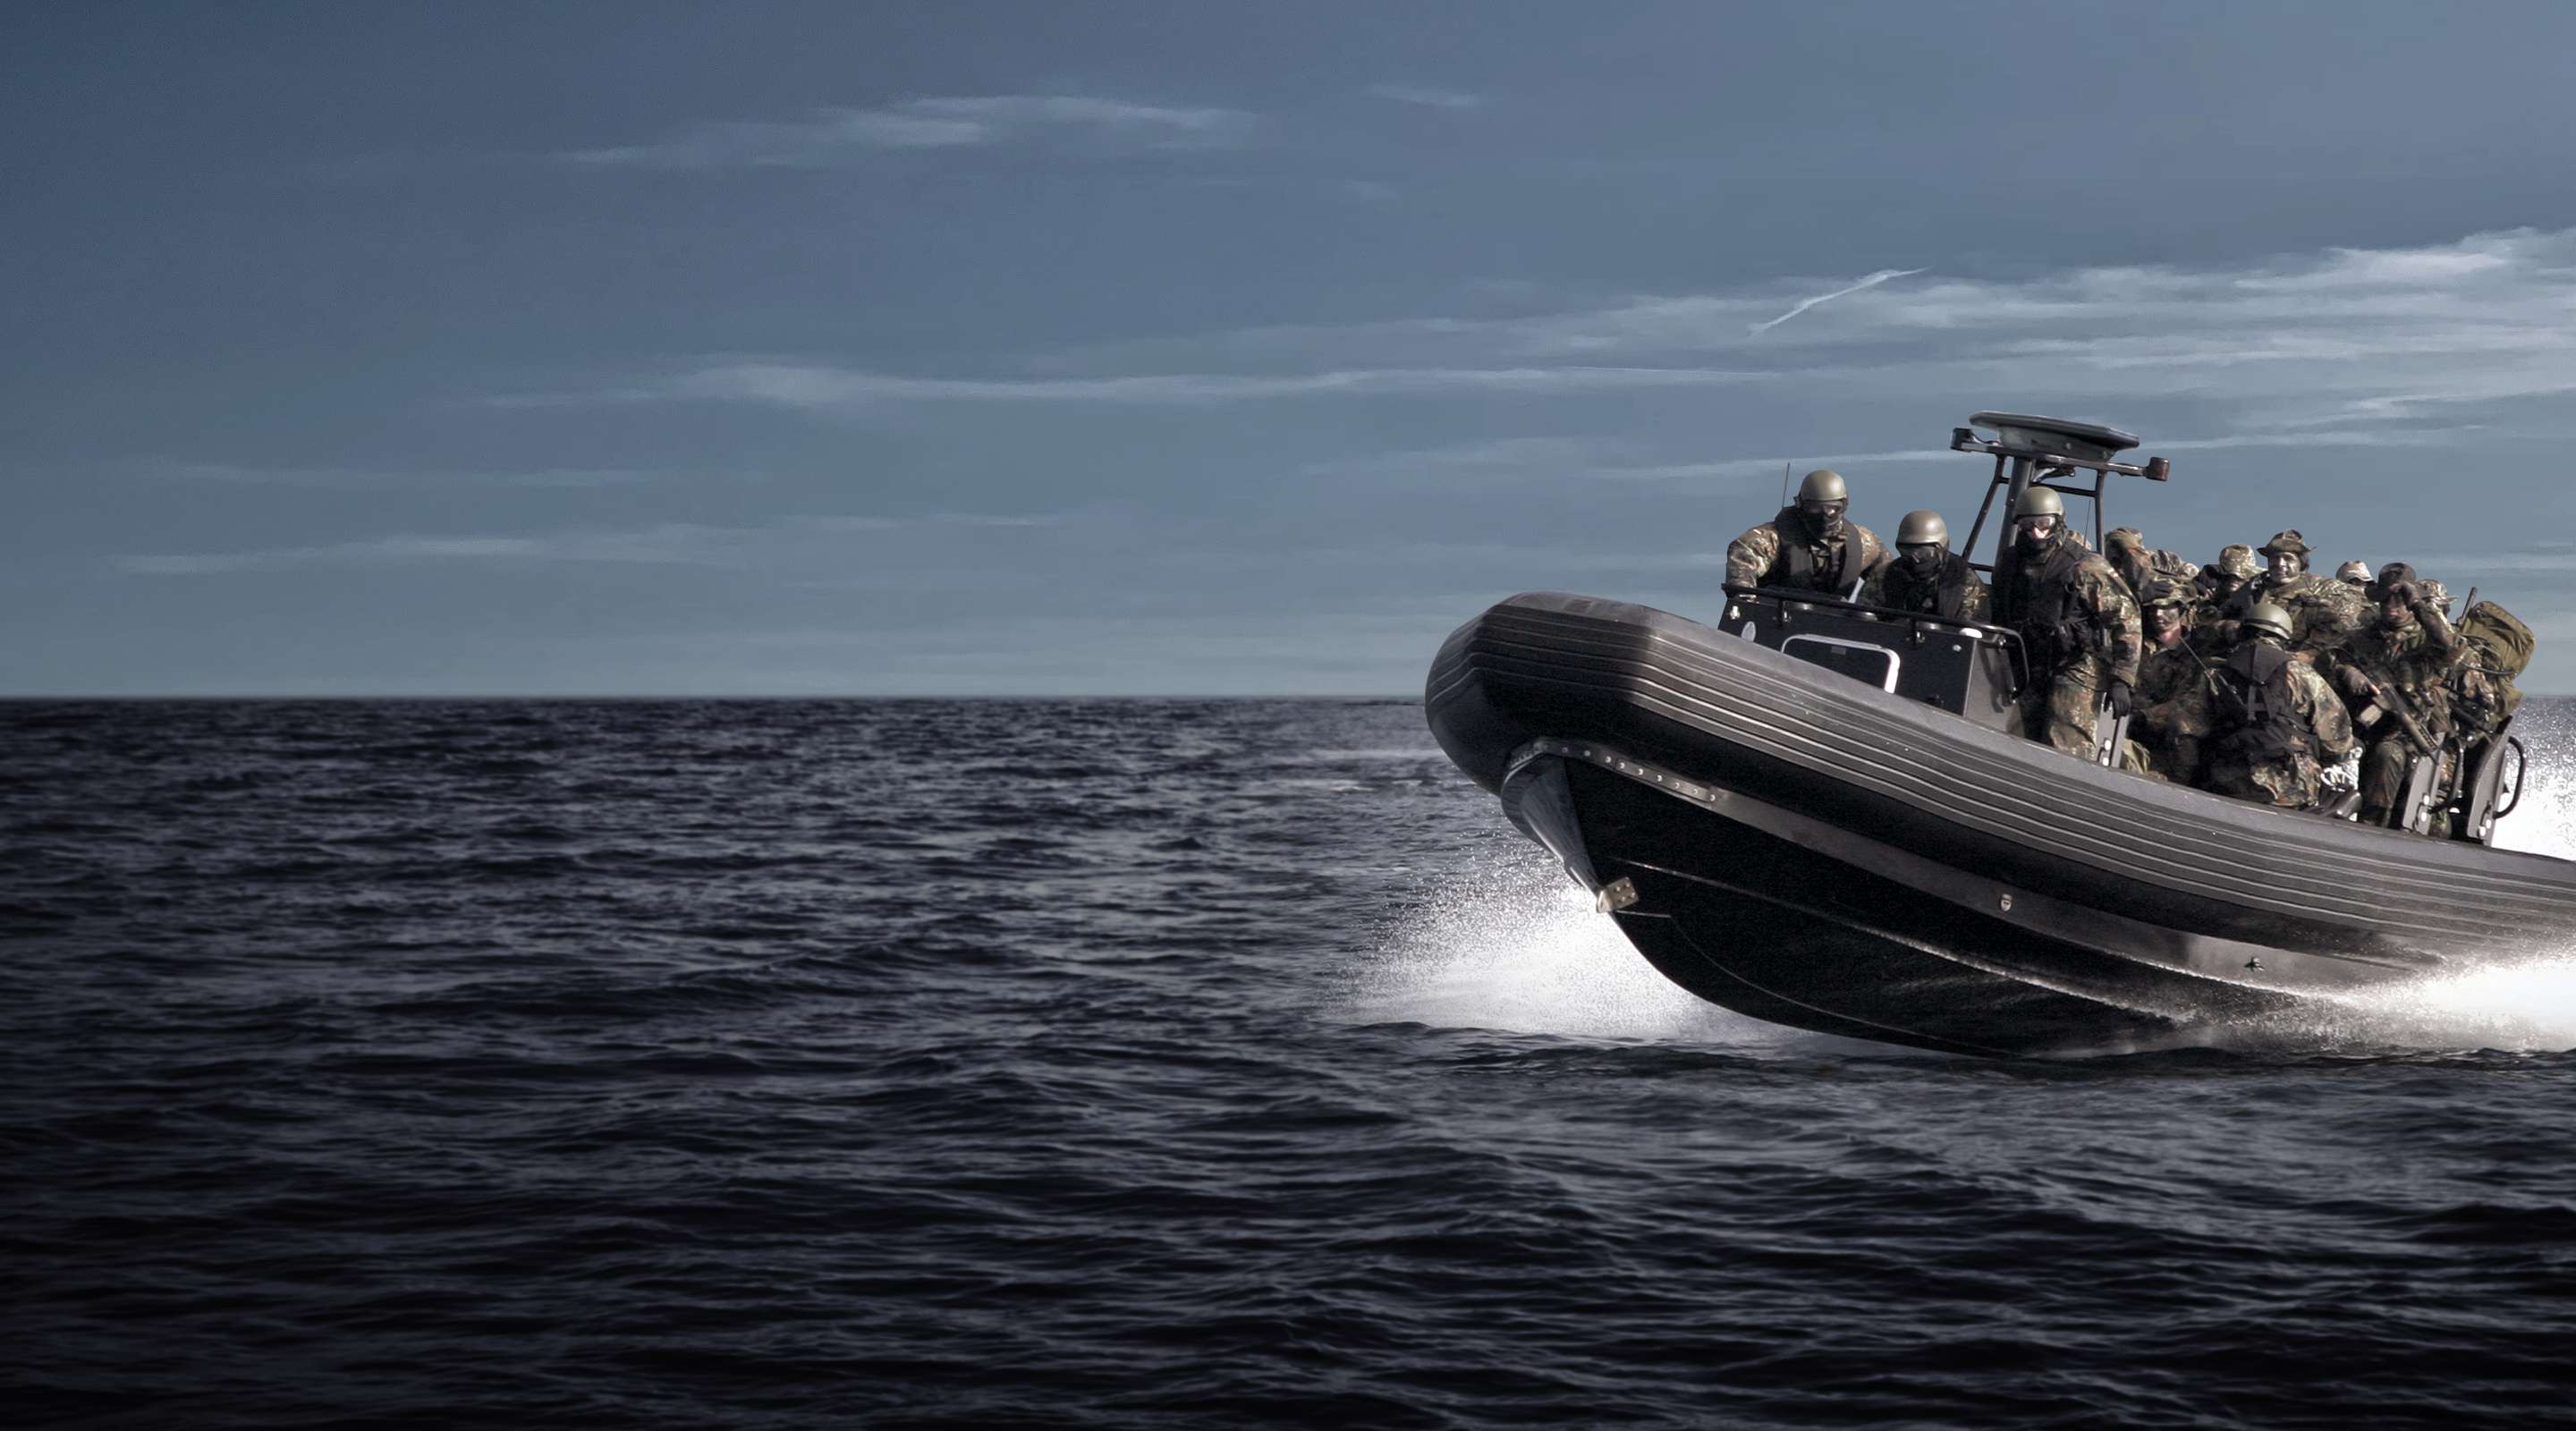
pixel 1213 348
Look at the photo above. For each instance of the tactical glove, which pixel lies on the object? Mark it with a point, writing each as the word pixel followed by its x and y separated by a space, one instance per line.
pixel 2117 700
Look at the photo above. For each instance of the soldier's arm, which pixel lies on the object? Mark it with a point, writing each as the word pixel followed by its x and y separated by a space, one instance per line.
pixel 1750 555
pixel 2116 613
pixel 1974 600
pixel 2332 725
pixel 2439 634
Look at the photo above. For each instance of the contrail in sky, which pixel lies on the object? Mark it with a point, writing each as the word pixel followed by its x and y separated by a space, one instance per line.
pixel 1804 304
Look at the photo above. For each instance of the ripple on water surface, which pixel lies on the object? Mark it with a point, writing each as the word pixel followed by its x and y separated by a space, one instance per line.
pixel 1120 1064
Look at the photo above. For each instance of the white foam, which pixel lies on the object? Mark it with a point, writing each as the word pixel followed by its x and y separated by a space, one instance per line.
pixel 2544 822
pixel 1517 947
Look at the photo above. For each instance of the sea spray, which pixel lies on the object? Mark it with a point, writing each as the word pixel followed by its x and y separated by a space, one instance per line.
pixel 1514 945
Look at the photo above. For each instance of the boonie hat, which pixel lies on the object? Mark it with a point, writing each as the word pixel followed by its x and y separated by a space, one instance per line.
pixel 2289 541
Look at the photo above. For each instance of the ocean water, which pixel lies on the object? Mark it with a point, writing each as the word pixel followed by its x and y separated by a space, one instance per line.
pixel 1130 1064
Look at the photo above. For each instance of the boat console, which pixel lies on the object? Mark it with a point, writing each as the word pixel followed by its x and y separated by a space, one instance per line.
pixel 1968 670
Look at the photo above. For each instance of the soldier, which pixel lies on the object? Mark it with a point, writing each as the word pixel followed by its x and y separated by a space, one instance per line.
pixel 2276 721
pixel 2213 634
pixel 2353 573
pixel 2395 674
pixel 1809 546
pixel 2172 716
pixel 2323 614
pixel 2220 579
pixel 1927 578
pixel 2078 624
pixel 2126 550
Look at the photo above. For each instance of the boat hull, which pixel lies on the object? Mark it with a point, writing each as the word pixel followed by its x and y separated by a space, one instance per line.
pixel 1816 852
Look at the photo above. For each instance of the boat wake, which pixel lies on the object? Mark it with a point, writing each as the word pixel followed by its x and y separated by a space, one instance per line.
pixel 2523 1006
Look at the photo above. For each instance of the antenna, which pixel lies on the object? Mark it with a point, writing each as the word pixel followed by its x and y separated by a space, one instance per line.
pixel 1784 482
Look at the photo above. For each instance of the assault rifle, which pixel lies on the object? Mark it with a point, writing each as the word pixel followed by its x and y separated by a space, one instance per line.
pixel 2383 697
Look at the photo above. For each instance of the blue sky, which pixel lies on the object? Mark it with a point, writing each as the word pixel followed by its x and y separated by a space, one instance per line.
pixel 970 348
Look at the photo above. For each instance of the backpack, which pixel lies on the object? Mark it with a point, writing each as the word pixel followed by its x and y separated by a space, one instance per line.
pixel 2503 645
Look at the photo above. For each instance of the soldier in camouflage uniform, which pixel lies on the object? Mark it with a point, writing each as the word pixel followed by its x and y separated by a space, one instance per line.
pixel 2323 613
pixel 2277 722
pixel 1927 578
pixel 2401 661
pixel 2126 549
pixel 2212 634
pixel 2172 718
pixel 1809 546
pixel 2078 624
pixel 2353 573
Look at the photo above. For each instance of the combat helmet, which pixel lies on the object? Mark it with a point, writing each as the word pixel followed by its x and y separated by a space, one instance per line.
pixel 2038 501
pixel 1823 485
pixel 1922 529
pixel 2268 616
pixel 2237 560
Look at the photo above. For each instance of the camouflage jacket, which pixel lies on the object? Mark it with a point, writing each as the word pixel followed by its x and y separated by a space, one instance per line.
pixel 2168 673
pixel 1769 554
pixel 2477 704
pixel 2294 780
pixel 2323 612
pixel 2069 605
pixel 2415 660
pixel 1956 593
pixel 2172 715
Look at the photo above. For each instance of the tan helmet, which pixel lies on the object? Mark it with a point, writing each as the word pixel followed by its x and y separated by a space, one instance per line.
pixel 1824 485
pixel 2268 616
pixel 2289 541
pixel 2236 560
pixel 2038 501
pixel 1922 529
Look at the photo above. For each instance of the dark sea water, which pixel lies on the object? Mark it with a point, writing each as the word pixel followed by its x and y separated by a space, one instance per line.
pixel 685 1064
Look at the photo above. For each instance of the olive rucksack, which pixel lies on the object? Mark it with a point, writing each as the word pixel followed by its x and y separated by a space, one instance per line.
pixel 2503 646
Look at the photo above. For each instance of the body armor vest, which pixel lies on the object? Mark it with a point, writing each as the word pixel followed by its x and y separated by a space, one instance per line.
pixel 2052 629
pixel 1796 566
pixel 2257 718
pixel 1941 596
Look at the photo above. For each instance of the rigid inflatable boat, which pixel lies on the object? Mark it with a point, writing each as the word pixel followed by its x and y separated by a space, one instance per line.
pixel 1824 815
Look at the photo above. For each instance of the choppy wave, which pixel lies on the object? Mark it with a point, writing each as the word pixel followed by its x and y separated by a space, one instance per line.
pixel 1128 1064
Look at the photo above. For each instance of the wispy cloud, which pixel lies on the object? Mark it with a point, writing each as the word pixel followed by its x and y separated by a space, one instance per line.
pixel 2337 345
pixel 663 544
pixel 669 544
pixel 810 387
pixel 1874 280
pixel 832 136
pixel 366 478
pixel 1427 96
